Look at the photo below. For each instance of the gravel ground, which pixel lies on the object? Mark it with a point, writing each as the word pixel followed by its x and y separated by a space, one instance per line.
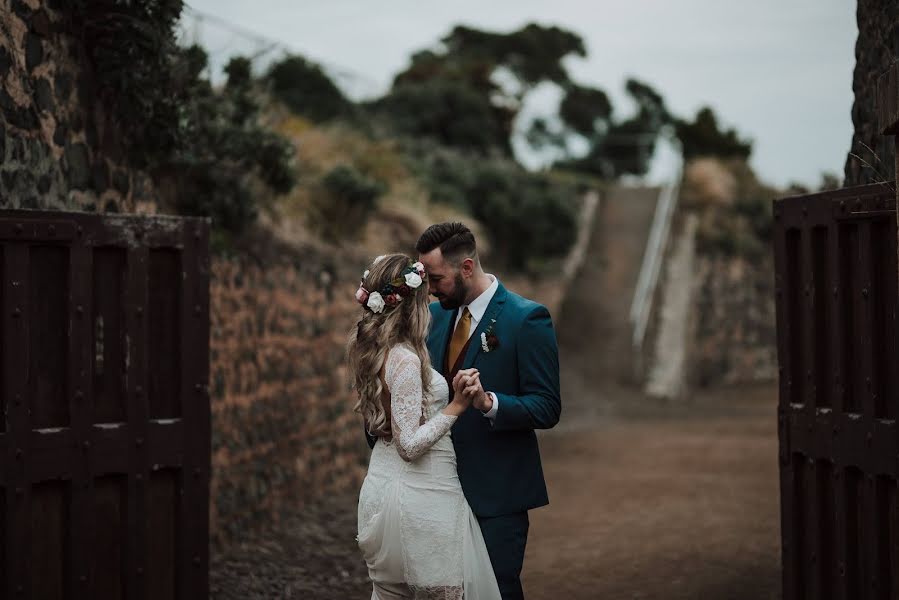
pixel 312 555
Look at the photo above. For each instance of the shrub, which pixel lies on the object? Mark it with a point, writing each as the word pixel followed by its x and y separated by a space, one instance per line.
pixel 343 203
pixel 306 89
pixel 530 218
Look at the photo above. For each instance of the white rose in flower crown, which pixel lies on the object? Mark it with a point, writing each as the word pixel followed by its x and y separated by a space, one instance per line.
pixel 419 267
pixel 413 280
pixel 376 302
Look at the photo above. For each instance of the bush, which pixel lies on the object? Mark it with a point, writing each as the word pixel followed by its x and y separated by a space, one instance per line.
pixel 306 89
pixel 207 150
pixel 343 203
pixel 448 112
pixel 228 160
pixel 530 219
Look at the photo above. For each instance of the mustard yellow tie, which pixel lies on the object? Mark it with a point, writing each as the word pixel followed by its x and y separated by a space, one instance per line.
pixel 460 336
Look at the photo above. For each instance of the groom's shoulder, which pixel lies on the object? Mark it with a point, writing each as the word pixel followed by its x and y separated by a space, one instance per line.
pixel 436 309
pixel 525 306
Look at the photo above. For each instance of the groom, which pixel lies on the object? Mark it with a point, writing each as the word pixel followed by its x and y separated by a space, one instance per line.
pixel 510 340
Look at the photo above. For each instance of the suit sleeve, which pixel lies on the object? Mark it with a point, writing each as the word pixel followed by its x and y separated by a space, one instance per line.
pixel 539 404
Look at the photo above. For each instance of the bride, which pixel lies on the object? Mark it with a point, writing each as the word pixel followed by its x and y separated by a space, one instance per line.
pixel 416 531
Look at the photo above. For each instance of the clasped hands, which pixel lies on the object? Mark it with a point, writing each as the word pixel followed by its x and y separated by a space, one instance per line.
pixel 467 388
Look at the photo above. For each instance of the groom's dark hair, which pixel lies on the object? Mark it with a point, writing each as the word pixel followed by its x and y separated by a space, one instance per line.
pixel 455 240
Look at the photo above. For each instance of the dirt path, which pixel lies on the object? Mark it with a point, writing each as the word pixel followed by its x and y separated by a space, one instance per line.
pixel 673 507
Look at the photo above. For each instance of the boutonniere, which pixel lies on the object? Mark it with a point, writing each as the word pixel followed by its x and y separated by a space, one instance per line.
pixel 489 341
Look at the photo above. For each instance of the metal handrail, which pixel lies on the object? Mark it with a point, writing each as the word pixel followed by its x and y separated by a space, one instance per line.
pixel 641 306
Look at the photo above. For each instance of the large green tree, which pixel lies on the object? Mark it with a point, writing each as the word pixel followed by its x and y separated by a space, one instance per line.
pixel 453 95
pixel 615 147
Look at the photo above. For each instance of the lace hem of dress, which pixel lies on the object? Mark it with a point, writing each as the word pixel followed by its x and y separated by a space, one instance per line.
pixel 437 593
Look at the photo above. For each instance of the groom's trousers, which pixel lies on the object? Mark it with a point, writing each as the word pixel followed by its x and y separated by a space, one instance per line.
pixel 505 537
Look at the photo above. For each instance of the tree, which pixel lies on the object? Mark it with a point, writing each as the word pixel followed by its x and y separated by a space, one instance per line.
pixel 702 137
pixel 440 87
pixel 588 111
pixel 449 112
pixel 306 89
pixel 616 148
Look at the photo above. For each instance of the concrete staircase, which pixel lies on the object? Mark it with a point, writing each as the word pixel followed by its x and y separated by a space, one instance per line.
pixel 594 331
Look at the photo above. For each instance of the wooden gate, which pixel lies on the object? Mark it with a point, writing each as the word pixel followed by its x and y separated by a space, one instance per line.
pixel 836 286
pixel 105 444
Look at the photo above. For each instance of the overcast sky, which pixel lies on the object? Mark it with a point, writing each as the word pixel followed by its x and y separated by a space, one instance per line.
pixel 780 71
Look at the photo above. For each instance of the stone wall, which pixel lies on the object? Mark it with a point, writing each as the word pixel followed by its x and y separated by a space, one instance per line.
pixel 734 323
pixel 284 430
pixel 876 49
pixel 57 147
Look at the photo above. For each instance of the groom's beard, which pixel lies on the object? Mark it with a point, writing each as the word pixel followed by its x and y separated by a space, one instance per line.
pixel 457 297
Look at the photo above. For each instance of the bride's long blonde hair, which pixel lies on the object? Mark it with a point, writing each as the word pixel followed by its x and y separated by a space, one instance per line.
pixel 376 333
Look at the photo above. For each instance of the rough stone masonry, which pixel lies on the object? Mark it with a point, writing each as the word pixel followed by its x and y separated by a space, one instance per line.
pixel 56 144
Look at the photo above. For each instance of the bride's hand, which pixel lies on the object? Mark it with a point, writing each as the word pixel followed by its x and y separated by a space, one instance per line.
pixel 463 379
pixel 461 401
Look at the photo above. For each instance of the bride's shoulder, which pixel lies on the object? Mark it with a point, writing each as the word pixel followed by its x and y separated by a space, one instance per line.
pixel 401 353
pixel 401 349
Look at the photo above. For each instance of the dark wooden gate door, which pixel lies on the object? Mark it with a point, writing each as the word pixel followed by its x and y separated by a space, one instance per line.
pixel 105 443
pixel 836 286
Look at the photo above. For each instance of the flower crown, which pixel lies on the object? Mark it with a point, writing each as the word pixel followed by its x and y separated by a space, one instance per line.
pixel 393 292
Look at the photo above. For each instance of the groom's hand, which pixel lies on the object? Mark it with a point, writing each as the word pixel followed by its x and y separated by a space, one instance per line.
pixel 480 399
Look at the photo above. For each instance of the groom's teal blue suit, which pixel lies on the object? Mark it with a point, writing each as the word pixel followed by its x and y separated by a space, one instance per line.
pixel 499 462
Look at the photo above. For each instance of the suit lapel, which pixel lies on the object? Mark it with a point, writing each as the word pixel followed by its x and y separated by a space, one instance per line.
pixel 497 303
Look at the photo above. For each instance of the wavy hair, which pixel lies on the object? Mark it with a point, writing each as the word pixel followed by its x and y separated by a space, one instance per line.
pixel 376 333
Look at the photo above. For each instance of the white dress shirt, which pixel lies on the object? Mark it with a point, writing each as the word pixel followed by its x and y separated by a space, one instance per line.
pixel 477 308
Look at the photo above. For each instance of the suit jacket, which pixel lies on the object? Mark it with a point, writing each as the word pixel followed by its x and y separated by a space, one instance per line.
pixel 499 463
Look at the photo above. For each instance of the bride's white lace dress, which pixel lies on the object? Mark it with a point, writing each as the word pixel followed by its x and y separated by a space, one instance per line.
pixel 415 527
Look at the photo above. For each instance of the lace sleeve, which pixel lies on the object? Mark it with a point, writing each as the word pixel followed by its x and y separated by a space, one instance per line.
pixel 403 377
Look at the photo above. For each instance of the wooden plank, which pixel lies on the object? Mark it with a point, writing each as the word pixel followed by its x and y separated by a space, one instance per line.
pixel 796 571
pixel 82 523
pixel 811 555
pixel 806 315
pixel 166 323
pixel 18 491
pixel 841 523
pixel 49 524
pixel 881 517
pixel 869 524
pixel 826 538
pixel 196 408
pixel 855 557
pixel 821 330
pixel 796 335
pixel 848 273
pixel 109 564
pixel 781 291
pixel 48 320
pixel 138 415
pixel 164 531
pixel 108 334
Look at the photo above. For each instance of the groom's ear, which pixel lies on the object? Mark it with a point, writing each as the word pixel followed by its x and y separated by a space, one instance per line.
pixel 466 267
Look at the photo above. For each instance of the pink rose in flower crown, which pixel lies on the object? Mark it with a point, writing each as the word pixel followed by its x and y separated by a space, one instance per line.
pixel 361 295
pixel 392 299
